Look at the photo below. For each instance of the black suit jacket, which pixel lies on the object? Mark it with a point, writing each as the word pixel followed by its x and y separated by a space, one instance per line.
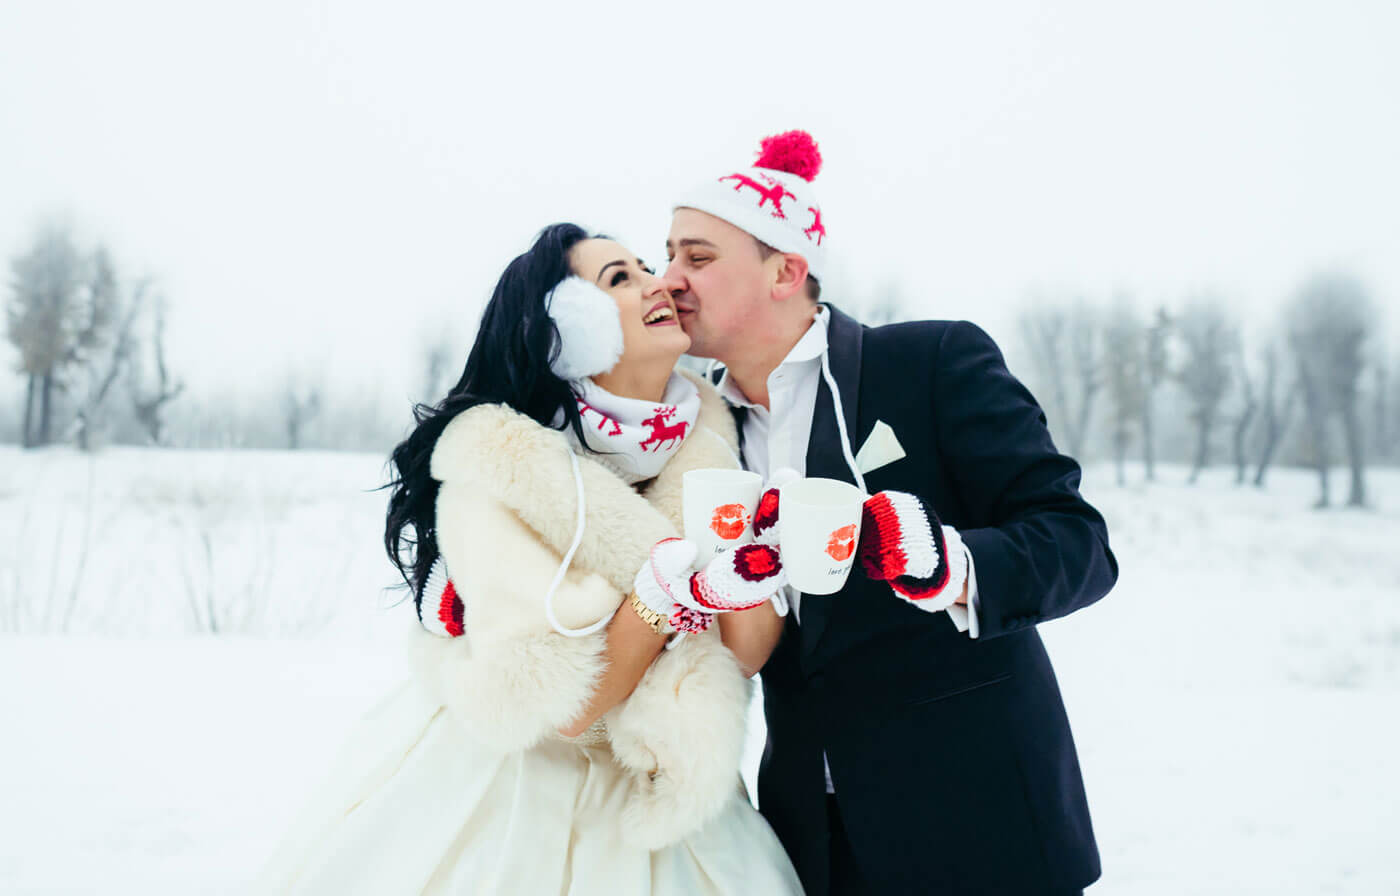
pixel 952 759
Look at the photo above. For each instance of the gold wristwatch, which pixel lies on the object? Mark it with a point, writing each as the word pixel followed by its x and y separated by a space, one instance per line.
pixel 657 621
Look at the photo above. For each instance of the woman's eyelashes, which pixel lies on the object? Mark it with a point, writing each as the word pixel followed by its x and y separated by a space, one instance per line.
pixel 621 276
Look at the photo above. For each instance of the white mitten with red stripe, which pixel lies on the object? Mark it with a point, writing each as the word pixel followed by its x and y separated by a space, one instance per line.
pixel 440 608
pixel 903 543
pixel 664 578
pixel 738 579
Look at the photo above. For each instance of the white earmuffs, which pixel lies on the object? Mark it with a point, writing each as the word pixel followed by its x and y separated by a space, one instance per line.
pixel 590 330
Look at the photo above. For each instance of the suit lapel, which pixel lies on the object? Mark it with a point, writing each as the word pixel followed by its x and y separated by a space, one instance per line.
pixel 824 456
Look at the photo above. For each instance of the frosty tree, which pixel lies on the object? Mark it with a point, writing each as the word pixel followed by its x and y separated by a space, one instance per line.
pixel 150 395
pixel 1125 374
pixel 106 343
pixel 1064 345
pixel 44 320
pixel 1329 322
pixel 1207 338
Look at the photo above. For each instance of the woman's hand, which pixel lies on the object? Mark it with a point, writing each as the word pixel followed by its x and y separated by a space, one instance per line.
pixel 738 579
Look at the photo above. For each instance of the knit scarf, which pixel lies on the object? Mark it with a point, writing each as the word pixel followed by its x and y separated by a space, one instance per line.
pixel 635 438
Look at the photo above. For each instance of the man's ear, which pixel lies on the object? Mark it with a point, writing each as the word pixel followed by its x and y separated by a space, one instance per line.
pixel 791 276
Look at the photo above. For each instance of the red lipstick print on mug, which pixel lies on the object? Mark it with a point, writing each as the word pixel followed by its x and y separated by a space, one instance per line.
pixel 729 521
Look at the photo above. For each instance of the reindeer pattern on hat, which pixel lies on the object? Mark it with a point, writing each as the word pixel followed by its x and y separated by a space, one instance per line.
pixel 775 192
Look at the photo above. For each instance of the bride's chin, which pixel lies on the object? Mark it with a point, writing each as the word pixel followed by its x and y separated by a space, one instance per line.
pixel 677 343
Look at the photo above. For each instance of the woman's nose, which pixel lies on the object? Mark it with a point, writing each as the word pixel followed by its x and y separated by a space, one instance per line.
pixel 662 283
pixel 653 285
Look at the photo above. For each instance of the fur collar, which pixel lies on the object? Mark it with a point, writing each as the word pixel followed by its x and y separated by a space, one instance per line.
pixel 511 458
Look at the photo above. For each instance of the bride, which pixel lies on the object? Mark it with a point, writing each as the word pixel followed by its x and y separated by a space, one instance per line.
pixel 576 714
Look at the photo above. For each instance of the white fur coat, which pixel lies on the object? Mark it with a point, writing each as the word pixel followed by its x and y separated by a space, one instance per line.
pixel 506 513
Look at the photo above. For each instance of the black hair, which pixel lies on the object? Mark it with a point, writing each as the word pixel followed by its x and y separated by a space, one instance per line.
pixel 508 364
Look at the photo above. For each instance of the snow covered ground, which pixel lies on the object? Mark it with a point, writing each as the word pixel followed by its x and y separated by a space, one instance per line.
pixel 1234 700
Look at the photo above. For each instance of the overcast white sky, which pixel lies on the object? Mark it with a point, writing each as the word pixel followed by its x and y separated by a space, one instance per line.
pixel 316 184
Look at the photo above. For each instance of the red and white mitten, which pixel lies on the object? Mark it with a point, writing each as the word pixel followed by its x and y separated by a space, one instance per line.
pixel 903 543
pixel 665 578
pixel 440 607
pixel 738 579
pixel 765 517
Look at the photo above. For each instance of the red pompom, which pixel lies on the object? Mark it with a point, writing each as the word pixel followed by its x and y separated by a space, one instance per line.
pixel 794 152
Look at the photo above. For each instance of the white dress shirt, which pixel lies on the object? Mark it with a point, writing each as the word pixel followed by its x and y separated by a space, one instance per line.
pixel 777 437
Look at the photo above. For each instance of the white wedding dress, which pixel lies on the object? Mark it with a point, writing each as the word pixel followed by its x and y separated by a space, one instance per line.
pixel 413 805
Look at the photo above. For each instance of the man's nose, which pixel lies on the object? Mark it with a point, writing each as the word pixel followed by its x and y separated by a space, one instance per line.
pixel 673 280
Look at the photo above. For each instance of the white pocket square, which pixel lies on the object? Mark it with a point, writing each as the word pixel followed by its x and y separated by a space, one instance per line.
pixel 880 448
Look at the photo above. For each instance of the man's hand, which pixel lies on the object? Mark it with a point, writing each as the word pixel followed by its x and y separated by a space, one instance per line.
pixel 765 517
pixel 902 542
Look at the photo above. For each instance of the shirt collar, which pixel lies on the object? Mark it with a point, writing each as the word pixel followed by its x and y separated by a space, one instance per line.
pixel 810 347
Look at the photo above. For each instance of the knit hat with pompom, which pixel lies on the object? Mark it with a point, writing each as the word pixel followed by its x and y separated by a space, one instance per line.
pixel 773 199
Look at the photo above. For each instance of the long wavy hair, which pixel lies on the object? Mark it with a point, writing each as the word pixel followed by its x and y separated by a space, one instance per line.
pixel 508 364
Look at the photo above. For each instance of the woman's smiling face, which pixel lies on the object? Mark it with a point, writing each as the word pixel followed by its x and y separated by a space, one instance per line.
pixel 651 329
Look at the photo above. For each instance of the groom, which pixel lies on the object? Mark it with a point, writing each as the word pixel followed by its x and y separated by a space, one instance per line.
pixel 917 741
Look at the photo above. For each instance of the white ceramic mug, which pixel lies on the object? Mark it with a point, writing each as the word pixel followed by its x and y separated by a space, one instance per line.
pixel 717 506
pixel 819 528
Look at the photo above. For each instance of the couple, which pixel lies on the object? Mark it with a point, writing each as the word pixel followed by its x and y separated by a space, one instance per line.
pixel 576 717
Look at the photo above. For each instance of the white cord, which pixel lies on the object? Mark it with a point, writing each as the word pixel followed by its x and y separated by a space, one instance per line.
pixel 564 566
pixel 841 423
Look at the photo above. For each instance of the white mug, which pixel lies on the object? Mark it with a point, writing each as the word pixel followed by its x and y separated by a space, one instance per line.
pixel 819 528
pixel 717 507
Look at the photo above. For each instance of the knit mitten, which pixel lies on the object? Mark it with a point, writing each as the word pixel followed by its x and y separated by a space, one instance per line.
pixel 765 518
pixel 903 543
pixel 665 578
pixel 440 608
pixel 738 579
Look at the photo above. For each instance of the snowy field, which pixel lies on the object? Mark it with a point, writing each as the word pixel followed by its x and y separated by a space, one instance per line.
pixel 1234 700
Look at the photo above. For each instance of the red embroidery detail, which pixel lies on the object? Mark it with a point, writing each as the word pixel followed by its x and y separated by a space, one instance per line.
pixel 583 409
pixel 756 562
pixel 701 592
pixel 842 543
pixel 661 431
pixel 684 619
pixel 817 226
pixel 450 610
pixel 729 521
pixel 774 192
pixel 766 515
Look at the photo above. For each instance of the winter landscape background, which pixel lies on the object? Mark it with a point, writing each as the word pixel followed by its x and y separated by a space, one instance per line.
pixel 240 243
